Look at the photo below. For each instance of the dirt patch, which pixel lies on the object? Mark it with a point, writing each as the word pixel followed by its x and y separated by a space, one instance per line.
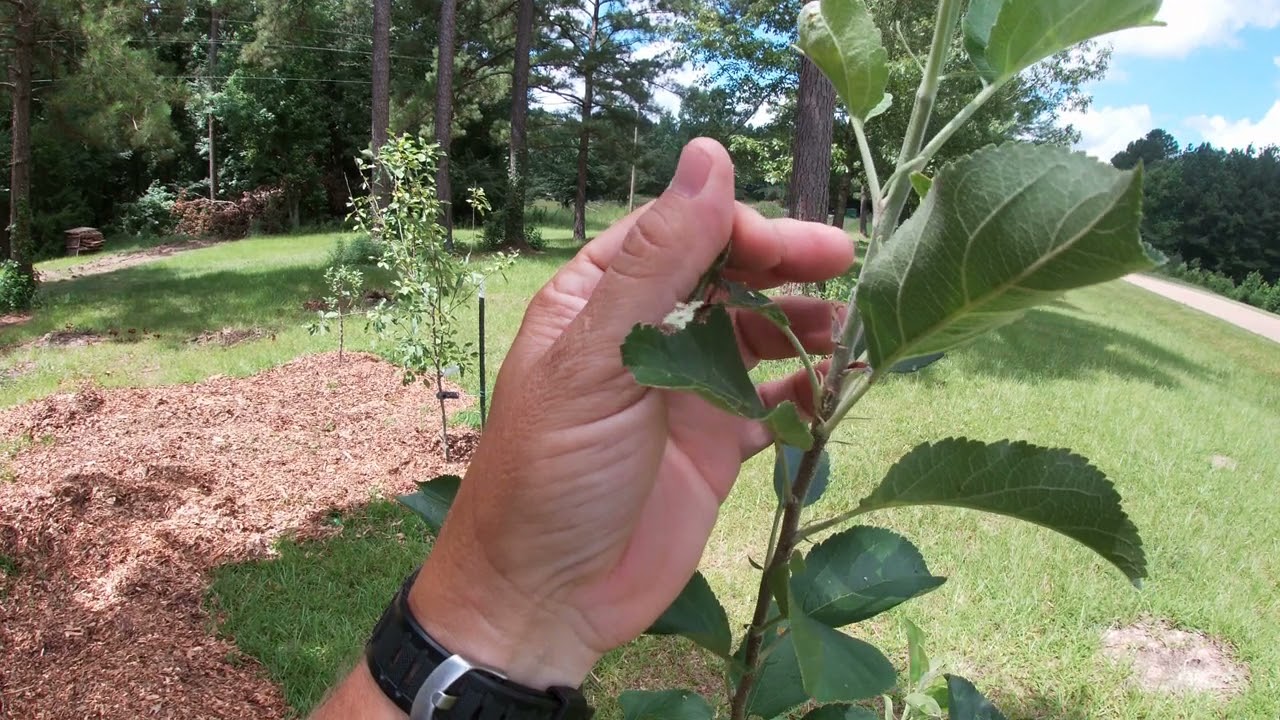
pixel 1168 660
pixel 13 320
pixel 112 526
pixel 17 371
pixel 112 263
pixel 227 337
pixel 1222 462
pixel 70 337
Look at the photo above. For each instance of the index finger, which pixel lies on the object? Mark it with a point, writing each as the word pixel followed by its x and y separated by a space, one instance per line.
pixel 767 253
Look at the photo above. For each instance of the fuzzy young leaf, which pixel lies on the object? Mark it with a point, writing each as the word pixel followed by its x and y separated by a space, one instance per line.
pixel 1001 231
pixel 697 615
pixel 923 704
pixel 836 667
pixel 433 500
pixel 858 574
pixel 921 183
pixel 665 705
pixel 1004 38
pixel 917 658
pixel 966 703
pixel 841 37
pixel 841 712
pixel 1053 488
pixel 785 466
pixel 778 686
pixel 703 358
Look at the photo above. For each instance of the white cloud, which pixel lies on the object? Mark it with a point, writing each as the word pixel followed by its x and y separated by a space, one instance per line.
pixel 1222 132
pixel 1194 24
pixel 1276 60
pixel 1106 131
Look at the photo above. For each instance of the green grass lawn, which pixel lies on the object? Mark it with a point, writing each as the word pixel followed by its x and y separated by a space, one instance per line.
pixel 1146 389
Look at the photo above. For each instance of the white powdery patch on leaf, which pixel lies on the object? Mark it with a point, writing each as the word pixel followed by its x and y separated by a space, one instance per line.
pixel 684 313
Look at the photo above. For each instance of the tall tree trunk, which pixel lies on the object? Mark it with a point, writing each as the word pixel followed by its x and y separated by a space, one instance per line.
pixel 518 157
pixel 864 213
pixel 381 89
pixel 811 150
pixel 584 136
pixel 212 122
pixel 444 112
pixel 842 199
pixel 20 69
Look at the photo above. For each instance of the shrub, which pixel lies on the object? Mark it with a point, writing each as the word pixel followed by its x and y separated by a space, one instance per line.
pixel 495 233
pixel 1254 290
pixel 151 214
pixel 17 289
pixel 362 251
pixel 770 209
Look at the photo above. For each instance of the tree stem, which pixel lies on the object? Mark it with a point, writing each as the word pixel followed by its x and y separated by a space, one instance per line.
pixel 900 187
pixel 787 539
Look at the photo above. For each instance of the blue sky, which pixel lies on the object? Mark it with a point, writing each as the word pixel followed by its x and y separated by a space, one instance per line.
pixel 1212 75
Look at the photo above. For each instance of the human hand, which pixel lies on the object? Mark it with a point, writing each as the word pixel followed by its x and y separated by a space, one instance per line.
pixel 590 499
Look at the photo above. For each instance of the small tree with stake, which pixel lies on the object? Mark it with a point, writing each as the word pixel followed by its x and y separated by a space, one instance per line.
pixel 431 285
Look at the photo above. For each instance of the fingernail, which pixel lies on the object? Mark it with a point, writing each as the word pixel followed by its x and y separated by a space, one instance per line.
pixel 692 172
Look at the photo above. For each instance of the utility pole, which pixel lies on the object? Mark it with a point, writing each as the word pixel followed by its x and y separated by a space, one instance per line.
pixel 635 150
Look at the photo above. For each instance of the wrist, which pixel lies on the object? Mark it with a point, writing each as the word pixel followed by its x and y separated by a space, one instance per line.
pixel 498 627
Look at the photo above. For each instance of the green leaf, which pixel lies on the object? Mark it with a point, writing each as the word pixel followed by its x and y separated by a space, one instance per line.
pixel 858 574
pixel 882 108
pixel 778 579
pixel 697 615
pixel 744 298
pixel 1004 37
pixel 923 704
pixel 1054 488
pixel 836 667
pixel 703 358
pixel 918 659
pixel 921 183
pixel 1001 231
pixel 433 500
pixel 842 39
pixel 840 712
pixel 966 703
pixel 665 705
pixel 786 465
pixel 978 22
pixel 778 686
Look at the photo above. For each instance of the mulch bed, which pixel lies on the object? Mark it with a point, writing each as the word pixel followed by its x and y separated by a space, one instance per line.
pixel 127 498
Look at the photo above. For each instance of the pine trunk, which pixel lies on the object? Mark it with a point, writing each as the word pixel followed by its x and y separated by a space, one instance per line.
pixel 381 88
pixel 864 213
pixel 20 69
pixel 518 157
pixel 212 122
pixel 842 200
pixel 584 137
pixel 444 112
pixel 811 151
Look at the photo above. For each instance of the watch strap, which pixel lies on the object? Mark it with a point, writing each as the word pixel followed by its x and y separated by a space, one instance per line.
pixel 407 662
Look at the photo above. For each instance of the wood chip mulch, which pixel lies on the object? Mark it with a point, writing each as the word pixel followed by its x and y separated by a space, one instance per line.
pixel 123 500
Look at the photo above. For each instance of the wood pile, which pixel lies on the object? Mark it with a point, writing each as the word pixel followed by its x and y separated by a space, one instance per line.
pixel 83 241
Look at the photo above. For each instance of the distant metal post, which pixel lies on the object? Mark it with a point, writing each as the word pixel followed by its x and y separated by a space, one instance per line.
pixel 482 375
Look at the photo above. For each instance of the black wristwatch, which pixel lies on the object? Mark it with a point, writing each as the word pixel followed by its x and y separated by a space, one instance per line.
pixel 428 682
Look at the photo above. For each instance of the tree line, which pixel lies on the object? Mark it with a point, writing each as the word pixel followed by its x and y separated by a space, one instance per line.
pixel 1209 207
pixel 556 99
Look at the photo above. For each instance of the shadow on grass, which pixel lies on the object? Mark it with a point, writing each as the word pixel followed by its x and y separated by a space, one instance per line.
pixel 1048 344
pixel 172 303
pixel 1037 707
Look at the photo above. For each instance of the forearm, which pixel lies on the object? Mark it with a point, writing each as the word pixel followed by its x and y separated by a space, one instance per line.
pixel 358 698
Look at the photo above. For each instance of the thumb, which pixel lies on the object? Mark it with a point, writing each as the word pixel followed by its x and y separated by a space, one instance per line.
pixel 670 246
